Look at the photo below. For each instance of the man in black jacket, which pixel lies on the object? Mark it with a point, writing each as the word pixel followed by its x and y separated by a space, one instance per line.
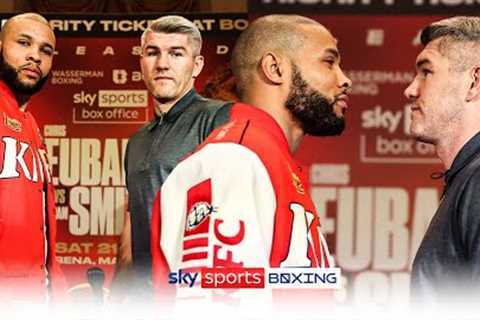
pixel 445 104
pixel 170 62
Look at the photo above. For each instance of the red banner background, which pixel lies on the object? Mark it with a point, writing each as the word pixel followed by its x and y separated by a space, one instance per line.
pixel 371 186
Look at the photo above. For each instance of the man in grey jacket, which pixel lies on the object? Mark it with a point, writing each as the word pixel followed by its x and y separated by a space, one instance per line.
pixel 170 61
pixel 445 104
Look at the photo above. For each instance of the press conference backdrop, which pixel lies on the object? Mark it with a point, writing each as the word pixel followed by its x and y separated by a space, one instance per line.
pixel 94 100
pixel 371 186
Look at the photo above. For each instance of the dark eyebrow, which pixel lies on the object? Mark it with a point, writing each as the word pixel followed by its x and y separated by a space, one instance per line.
pixel 29 37
pixel 420 63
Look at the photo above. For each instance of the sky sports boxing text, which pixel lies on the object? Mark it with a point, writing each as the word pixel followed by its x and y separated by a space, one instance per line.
pixel 258 278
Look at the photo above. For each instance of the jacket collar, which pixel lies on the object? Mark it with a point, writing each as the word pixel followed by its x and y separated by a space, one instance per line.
pixel 466 155
pixel 264 120
pixel 178 108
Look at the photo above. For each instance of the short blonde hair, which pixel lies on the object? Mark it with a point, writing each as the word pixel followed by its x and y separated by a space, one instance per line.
pixel 29 15
pixel 176 24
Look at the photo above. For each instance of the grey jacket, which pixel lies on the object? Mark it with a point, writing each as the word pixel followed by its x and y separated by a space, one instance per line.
pixel 446 269
pixel 153 152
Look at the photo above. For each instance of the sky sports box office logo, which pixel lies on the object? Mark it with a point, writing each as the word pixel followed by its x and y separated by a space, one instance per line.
pixel 258 278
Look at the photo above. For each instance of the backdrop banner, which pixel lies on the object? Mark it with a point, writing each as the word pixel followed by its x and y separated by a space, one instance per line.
pixel 94 100
pixel 380 7
pixel 371 185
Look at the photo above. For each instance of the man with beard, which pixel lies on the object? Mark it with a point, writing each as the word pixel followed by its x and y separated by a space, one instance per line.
pixel 241 199
pixel 27 208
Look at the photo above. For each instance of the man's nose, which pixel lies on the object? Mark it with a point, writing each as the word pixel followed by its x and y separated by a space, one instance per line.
pixel 411 92
pixel 34 55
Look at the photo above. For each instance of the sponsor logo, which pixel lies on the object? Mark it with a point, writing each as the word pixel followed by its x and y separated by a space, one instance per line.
pixel 258 278
pixel 371 82
pixel 233 278
pixel 304 278
pixel 111 106
pixel 21 159
pixel 74 76
pixel 297 183
pixel 122 76
pixel 387 139
pixel 198 214
pixel 119 76
pixel 122 98
pixel 12 123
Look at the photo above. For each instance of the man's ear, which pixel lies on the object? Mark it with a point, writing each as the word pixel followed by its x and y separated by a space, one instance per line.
pixel 273 67
pixel 198 63
pixel 473 93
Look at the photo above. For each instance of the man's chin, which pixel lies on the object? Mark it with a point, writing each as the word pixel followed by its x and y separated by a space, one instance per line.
pixel 164 98
pixel 163 92
pixel 29 89
pixel 28 84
